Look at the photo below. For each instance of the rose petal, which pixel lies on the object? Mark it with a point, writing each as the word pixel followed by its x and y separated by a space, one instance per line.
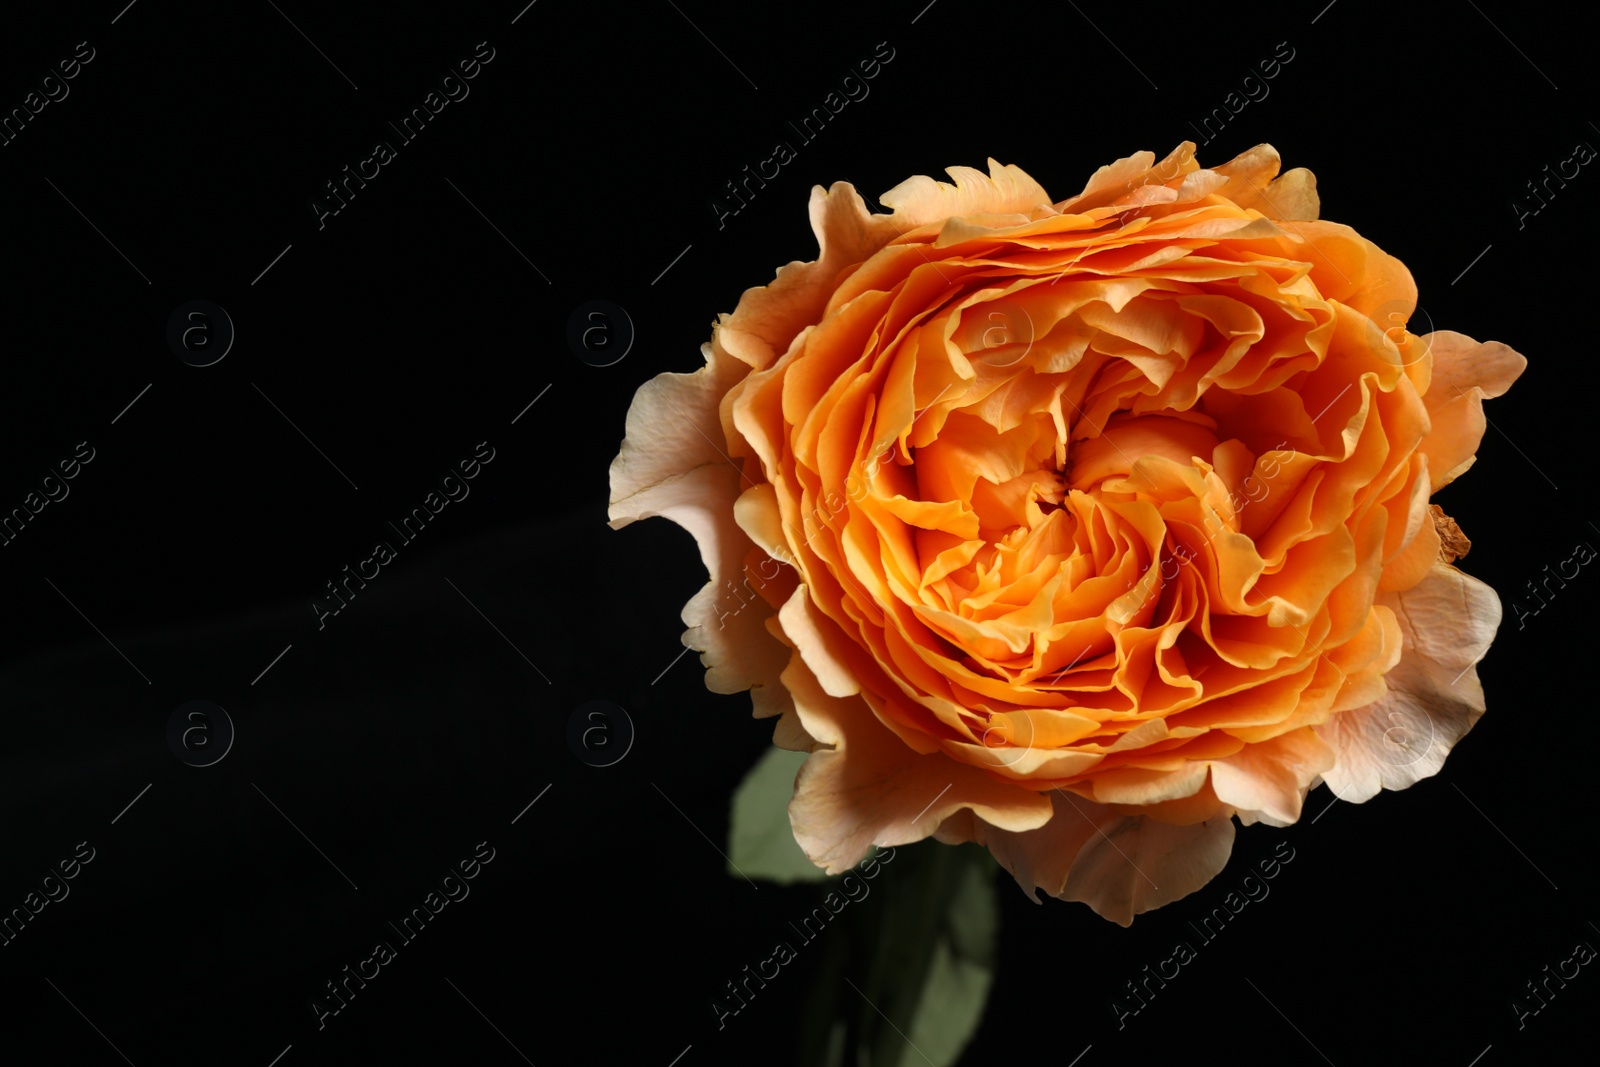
pixel 1465 372
pixel 1269 779
pixel 870 789
pixel 820 644
pixel 1447 623
pixel 1254 184
pixel 1119 865
pixel 1004 190
pixel 671 465
pixel 769 317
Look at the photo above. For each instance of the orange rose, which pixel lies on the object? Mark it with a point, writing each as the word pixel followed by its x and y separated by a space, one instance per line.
pixel 1077 528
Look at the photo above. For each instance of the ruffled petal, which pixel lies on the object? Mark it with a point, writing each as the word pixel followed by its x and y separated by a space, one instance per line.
pixel 870 789
pixel 1447 623
pixel 672 464
pixel 768 317
pixel 1119 865
pixel 1255 184
pixel 1005 190
pixel 1268 780
pixel 1465 373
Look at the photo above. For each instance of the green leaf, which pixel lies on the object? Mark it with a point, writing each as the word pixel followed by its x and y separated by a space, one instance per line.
pixel 957 986
pixel 934 964
pixel 760 841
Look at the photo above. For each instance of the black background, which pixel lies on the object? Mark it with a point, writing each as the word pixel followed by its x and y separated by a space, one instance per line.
pixel 429 713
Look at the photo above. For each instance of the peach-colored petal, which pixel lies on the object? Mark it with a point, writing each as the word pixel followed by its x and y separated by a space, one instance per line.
pixel 1132 178
pixel 1254 184
pixel 820 643
pixel 1119 865
pixel 671 465
pixel 870 789
pixel 1465 373
pixel 773 700
pixel 1447 622
pixel 769 317
pixel 1005 190
pixel 1268 780
pixel 671 429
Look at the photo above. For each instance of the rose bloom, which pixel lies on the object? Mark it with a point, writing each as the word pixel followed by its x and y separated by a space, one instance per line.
pixel 1077 528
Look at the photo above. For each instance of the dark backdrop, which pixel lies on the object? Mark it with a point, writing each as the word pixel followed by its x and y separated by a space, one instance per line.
pixel 377 347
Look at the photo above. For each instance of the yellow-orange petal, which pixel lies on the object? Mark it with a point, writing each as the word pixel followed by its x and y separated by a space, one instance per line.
pixel 1465 373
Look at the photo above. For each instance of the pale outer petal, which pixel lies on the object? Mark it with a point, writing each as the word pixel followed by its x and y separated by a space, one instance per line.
pixel 1005 190
pixel 1447 623
pixel 774 699
pixel 1268 780
pixel 672 428
pixel 871 789
pixel 1119 865
pixel 1251 180
pixel 1250 818
pixel 671 464
pixel 675 461
pixel 789 733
